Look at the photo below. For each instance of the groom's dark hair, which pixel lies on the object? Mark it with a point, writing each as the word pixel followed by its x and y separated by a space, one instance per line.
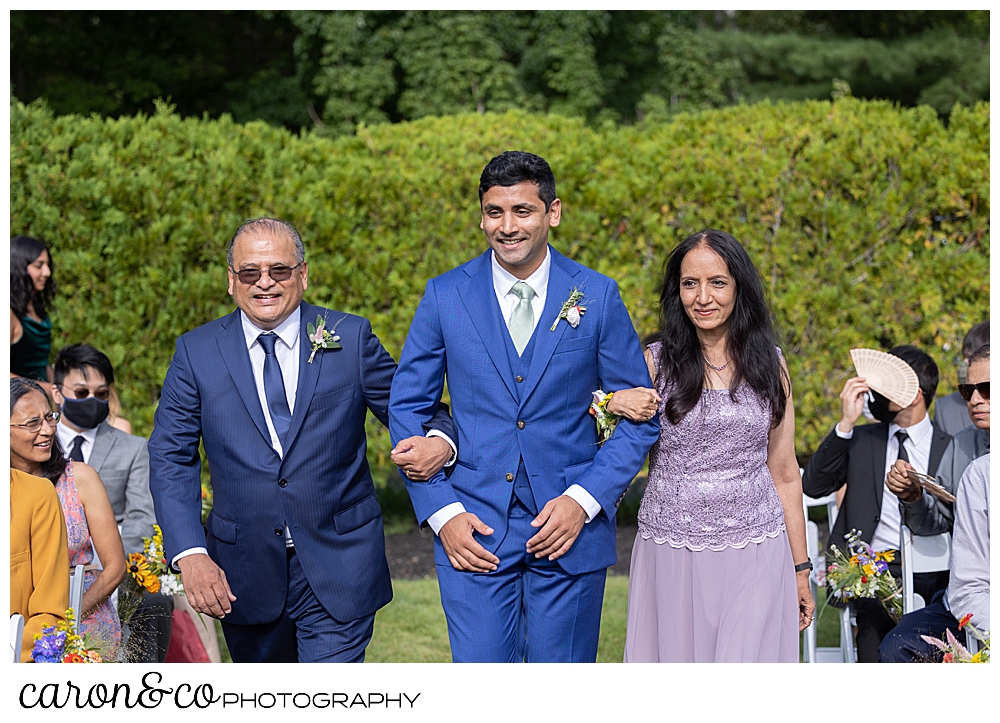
pixel 513 167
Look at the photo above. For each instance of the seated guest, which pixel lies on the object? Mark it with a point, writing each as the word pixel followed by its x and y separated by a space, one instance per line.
pixel 90 521
pixel 84 379
pixel 39 557
pixel 918 507
pixel 969 588
pixel 950 412
pixel 860 457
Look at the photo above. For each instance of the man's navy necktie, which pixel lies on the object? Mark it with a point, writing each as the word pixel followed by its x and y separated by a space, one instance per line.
pixel 274 388
pixel 76 454
pixel 902 437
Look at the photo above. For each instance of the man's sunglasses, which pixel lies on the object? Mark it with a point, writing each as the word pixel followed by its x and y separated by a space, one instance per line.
pixel 252 276
pixel 966 390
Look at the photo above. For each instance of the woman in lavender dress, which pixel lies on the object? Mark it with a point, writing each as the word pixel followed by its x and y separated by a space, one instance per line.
pixel 714 574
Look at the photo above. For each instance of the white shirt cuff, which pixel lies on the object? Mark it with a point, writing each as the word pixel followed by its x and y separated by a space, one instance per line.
pixel 190 551
pixel 440 518
pixel 454 449
pixel 843 435
pixel 585 500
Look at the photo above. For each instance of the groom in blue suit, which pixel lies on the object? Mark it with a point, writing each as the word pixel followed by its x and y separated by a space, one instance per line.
pixel 525 525
pixel 292 556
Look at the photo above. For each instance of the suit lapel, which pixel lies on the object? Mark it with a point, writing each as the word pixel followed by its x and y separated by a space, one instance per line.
pixel 939 442
pixel 481 302
pixel 103 443
pixel 233 345
pixel 561 274
pixel 879 440
pixel 308 373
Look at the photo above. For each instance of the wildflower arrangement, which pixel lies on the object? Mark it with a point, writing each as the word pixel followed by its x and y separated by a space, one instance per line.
pixel 571 310
pixel 862 573
pixel 139 579
pixel 170 583
pixel 59 644
pixel 955 652
pixel 606 421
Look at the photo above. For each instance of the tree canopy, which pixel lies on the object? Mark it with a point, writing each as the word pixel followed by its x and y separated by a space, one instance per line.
pixel 334 70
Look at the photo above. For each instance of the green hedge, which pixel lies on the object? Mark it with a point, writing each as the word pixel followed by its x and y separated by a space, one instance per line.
pixel 869 223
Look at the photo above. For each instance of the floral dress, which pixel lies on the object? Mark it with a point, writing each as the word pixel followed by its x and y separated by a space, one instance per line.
pixel 102 625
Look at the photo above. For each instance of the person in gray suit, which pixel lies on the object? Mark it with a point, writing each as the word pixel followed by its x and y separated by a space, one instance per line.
pixel 83 379
pixel 950 412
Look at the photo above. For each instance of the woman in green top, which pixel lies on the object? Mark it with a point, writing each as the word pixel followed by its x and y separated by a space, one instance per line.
pixel 32 290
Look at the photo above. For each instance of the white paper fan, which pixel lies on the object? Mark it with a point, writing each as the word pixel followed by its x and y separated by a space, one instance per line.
pixel 888 375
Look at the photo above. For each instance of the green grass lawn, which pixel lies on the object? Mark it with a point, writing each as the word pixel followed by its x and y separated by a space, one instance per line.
pixel 412 628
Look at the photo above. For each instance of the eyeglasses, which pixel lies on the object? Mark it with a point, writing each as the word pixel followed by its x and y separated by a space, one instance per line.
pixel 252 276
pixel 966 390
pixel 83 393
pixel 34 424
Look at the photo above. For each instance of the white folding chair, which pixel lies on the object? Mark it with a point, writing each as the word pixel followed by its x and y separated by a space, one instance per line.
pixel 972 643
pixel 16 637
pixel 812 653
pixel 921 554
pixel 76 595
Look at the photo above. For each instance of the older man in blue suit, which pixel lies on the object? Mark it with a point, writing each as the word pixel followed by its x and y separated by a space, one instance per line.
pixel 525 525
pixel 294 556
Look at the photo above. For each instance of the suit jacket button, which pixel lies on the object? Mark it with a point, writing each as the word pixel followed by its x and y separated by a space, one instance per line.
pixel 518 379
pixel 510 477
pixel 282 482
pixel 520 424
pixel 278 531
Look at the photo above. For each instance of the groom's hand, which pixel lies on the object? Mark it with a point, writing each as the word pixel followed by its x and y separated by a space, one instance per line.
pixel 561 520
pixel 421 458
pixel 462 549
pixel 205 585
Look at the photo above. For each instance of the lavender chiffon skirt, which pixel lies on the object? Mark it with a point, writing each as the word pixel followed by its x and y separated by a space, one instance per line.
pixel 737 605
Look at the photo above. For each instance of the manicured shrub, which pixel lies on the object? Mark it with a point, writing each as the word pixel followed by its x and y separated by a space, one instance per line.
pixel 869 223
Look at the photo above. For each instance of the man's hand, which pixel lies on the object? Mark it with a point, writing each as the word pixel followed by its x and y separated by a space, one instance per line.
pixel 205 585
pixel 561 520
pixel 462 549
pixel 900 484
pixel 852 403
pixel 421 458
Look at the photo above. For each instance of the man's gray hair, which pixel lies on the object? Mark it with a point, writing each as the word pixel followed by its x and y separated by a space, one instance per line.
pixel 269 225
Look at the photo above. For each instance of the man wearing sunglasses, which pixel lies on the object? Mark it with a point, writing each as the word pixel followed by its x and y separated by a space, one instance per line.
pixel 950 411
pixel 292 556
pixel 83 378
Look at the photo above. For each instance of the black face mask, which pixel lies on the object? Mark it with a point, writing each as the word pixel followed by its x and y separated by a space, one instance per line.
pixel 880 408
pixel 85 413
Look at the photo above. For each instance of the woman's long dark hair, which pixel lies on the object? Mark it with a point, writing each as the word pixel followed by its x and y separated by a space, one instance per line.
pixel 751 340
pixel 23 252
pixel 54 466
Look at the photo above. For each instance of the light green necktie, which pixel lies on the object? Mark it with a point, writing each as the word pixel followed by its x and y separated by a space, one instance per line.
pixel 522 321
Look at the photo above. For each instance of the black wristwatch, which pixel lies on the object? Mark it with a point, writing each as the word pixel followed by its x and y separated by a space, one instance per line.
pixel 807 565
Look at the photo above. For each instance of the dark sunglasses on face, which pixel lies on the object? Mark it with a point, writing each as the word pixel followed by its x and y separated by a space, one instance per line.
pixel 252 276
pixel 82 393
pixel 34 424
pixel 966 390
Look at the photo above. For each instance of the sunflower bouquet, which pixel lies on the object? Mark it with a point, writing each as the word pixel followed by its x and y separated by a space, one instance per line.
pixel 170 582
pixel 955 652
pixel 860 572
pixel 59 644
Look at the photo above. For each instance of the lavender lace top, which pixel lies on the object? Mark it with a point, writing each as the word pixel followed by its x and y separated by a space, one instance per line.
pixel 709 486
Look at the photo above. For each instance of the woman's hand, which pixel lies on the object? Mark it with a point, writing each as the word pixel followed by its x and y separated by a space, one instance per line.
pixel 638 404
pixel 807 605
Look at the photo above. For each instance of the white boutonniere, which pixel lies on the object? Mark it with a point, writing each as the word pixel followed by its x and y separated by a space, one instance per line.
pixel 322 338
pixel 571 310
